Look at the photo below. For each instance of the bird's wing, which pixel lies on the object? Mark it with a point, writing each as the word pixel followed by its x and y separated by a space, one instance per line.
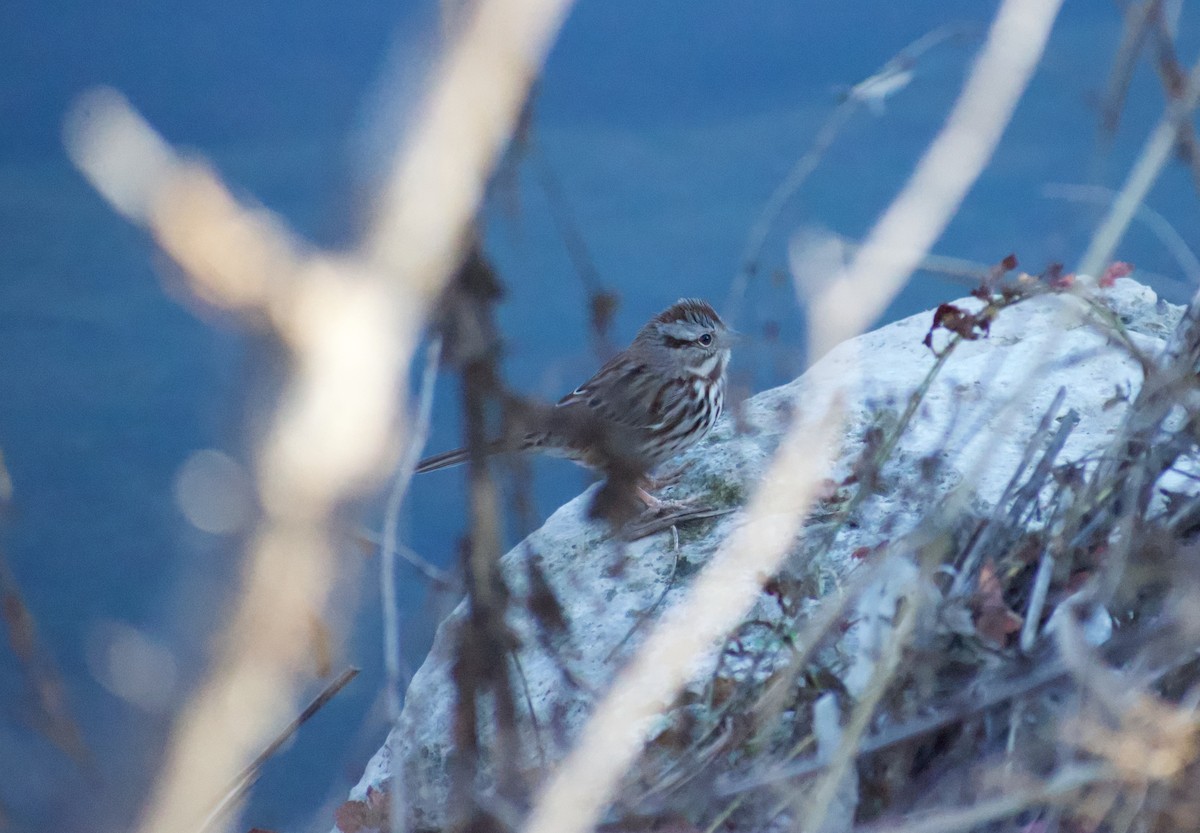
pixel 627 394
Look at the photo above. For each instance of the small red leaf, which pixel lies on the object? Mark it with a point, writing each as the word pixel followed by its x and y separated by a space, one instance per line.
pixel 995 621
pixel 372 814
pixel 1116 269
pixel 350 817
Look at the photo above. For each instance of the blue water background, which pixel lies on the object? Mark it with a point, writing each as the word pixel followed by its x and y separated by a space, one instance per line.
pixel 667 124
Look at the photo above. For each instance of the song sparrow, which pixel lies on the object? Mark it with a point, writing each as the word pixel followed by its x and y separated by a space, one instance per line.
pixel 658 397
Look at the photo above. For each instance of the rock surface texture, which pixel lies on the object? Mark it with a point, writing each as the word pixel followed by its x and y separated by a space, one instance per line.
pixel 961 446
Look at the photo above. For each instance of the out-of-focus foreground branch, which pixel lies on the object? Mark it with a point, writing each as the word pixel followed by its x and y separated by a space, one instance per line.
pixel 914 221
pixel 351 325
pixel 726 589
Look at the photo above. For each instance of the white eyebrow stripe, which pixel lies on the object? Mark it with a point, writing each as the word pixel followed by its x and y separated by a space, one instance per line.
pixel 680 330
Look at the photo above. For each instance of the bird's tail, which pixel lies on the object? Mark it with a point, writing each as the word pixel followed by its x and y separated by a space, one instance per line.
pixel 533 440
pixel 442 461
pixel 459 455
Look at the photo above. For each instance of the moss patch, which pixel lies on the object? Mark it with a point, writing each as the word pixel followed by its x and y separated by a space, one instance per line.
pixel 723 491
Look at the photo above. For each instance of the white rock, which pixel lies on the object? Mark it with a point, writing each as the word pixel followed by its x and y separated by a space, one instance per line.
pixel 974 422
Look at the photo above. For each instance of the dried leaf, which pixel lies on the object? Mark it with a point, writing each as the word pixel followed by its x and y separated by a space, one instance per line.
pixel 984 291
pixel 350 816
pixel 1056 278
pixel 995 621
pixel 967 325
pixel 723 690
pixel 372 814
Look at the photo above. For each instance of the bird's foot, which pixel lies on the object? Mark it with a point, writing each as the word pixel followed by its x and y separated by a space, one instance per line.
pixel 668 478
pixel 658 506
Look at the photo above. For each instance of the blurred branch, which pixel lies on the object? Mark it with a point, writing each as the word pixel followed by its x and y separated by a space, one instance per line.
pixel 954 160
pixel 1157 224
pixel 1133 35
pixel 351 326
pixel 893 76
pixel 1155 154
pixel 481 87
pixel 484 642
pixel 1174 80
pixel 441 579
pixel 1059 787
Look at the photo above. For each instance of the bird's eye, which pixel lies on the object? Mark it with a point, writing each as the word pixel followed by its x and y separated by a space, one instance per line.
pixel 705 339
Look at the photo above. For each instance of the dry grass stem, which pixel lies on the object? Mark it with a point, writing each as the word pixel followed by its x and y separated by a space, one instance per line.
pixel 388 555
pixel 819 804
pixel 1062 787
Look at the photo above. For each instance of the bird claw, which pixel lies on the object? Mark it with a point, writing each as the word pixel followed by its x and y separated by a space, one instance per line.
pixel 667 478
pixel 657 506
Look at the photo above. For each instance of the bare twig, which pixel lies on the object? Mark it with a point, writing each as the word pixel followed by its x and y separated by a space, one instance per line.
pixel 1157 224
pixel 1133 35
pixel 890 77
pixel 821 800
pixel 1155 153
pixel 55 719
pixel 653 524
pixel 250 774
pixel 1037 601
pixel 645 615
pixel 1172 77
pixel 1063 785
pixel 919 214
pixel 387 561
pixel 601 301
pixel 439 578
pixel 1047 440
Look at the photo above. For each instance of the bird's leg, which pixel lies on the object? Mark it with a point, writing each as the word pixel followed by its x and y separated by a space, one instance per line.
pixel 661 514
pixel 656 505
pixel 653 504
